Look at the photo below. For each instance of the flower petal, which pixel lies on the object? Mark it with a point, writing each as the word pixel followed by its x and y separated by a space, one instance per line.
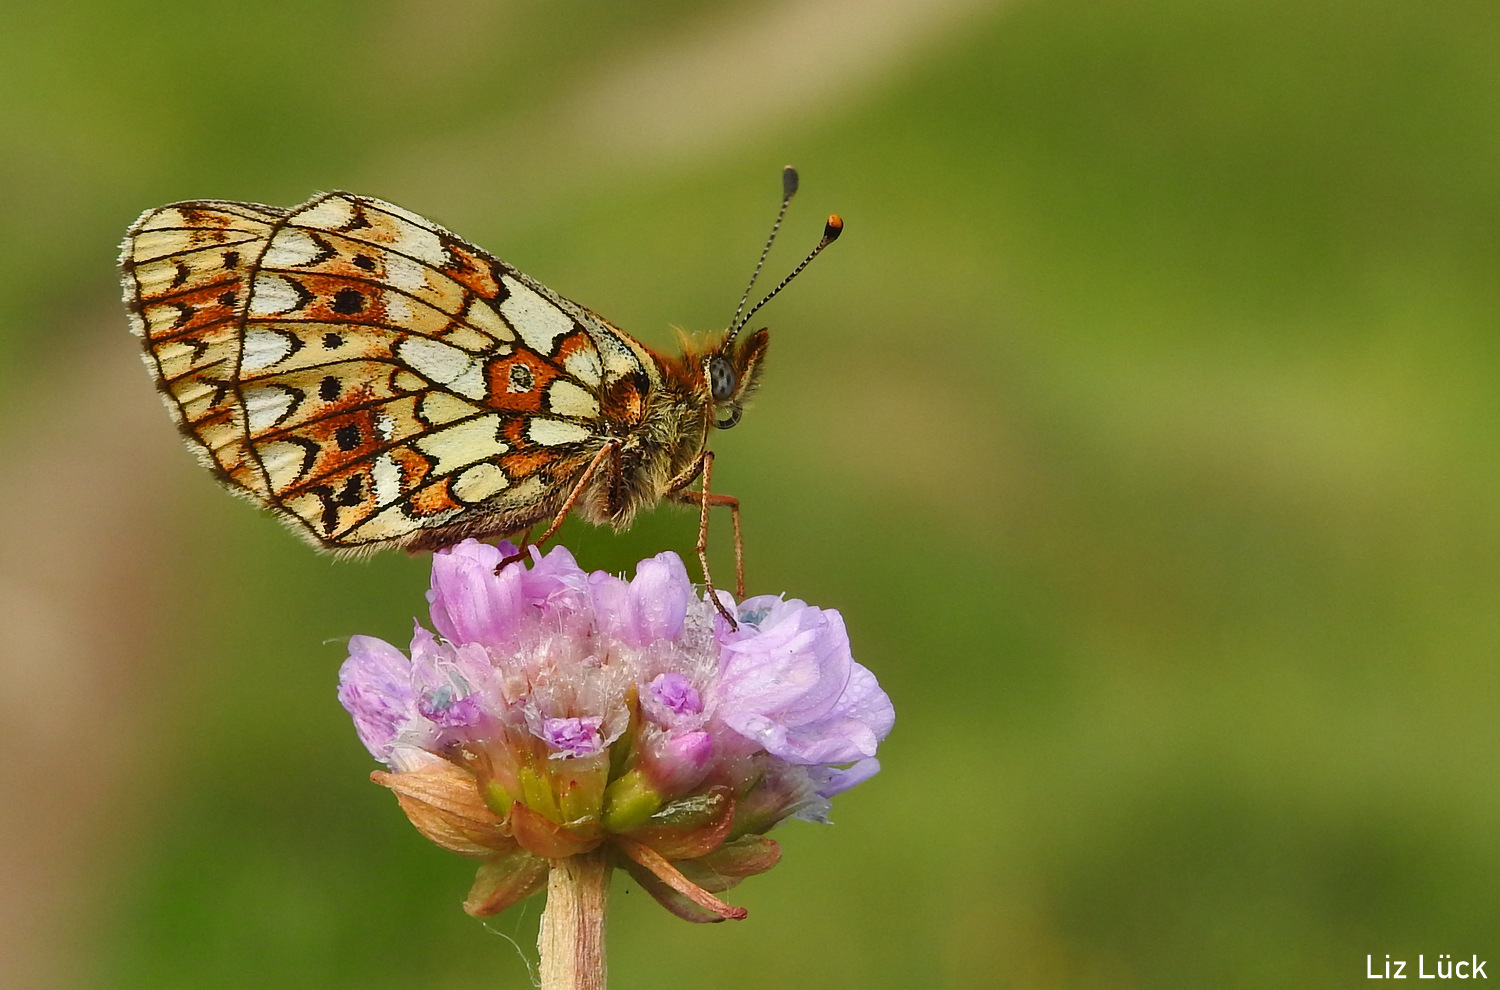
pixel 677 762
pixel 470 602
pixel 556 582
pixel 831 780
pixel 672 701
pixel 793 667
pixel 859 720
pixel 659 598
pixel 791 685
pixel 375 689
pixel 649 608
pixel 572 736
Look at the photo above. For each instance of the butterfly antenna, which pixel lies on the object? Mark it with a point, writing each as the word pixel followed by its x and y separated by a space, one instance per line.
pixel 831 232
pixel 788 190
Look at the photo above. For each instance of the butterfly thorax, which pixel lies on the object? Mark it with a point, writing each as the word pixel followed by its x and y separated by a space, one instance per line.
pixel 665 442
pixel 648 451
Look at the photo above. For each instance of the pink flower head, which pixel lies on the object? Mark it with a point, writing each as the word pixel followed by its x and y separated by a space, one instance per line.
pixel 557 710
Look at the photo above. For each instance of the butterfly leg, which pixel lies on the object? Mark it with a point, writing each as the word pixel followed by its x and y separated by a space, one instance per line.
pixel 609 449
pixel 703 499
pixel 739 543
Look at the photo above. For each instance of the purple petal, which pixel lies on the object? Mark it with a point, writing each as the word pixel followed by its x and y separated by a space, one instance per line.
pixel 556 582
pixel 443 708
pixel 789 671
pixel 611 603
pixel 470 603
pixel 679 762
pixel 790 684
pixel 659 597
pixel 752 612
pixel 833 781
pixel 375 689
pixel 649 608
pixel 447 680
pixel 862 717
pixel 672 694
pixel 572 736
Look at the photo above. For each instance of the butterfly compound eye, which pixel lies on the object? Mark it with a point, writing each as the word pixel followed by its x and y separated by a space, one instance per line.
pixel 722 380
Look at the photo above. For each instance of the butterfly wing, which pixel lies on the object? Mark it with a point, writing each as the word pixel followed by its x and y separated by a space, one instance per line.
pixel 368 375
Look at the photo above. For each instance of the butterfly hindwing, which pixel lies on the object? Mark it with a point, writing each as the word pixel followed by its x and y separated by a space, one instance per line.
pixel 370 376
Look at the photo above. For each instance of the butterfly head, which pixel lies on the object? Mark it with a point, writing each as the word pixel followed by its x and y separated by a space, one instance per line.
pixel 731 374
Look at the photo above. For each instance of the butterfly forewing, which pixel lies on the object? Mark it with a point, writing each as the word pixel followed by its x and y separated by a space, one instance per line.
pixel 371 376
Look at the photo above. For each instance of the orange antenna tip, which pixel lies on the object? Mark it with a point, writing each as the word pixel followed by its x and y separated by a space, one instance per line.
pixel 833 229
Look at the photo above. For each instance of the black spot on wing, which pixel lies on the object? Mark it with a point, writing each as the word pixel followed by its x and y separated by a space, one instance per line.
pixel 352 490
pixel 347 302
pixel 347 437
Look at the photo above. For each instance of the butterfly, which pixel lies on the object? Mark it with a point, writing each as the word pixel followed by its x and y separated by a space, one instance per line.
pixel 376 381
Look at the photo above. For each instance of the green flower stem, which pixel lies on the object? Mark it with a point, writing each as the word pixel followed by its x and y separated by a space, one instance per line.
pixel 571 941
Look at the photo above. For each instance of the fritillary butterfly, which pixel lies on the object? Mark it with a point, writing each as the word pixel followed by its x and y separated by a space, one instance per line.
pixel 376 381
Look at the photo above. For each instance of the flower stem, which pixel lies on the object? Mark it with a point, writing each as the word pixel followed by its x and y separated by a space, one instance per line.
pixel 571 941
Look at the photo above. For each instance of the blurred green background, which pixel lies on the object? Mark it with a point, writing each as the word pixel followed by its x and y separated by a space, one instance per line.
pixel 1145 426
